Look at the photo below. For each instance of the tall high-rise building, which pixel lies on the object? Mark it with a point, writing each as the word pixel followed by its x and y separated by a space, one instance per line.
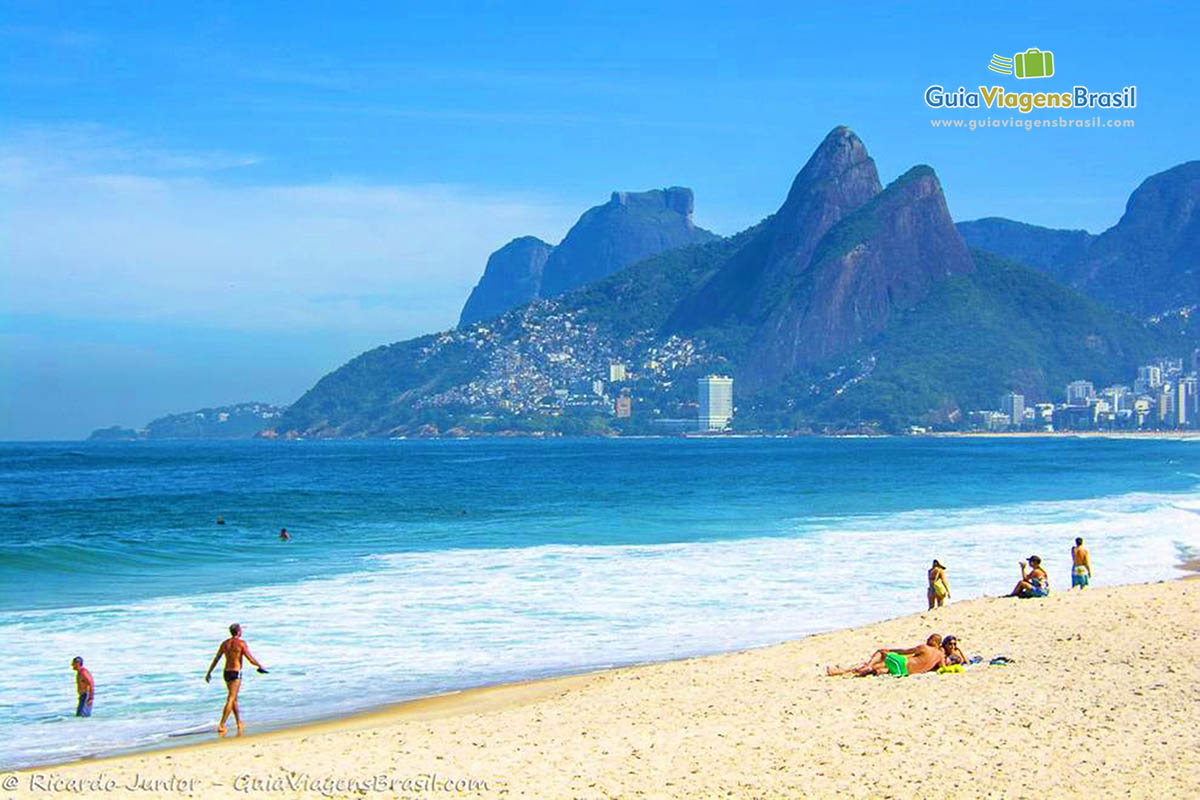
pixel 1013 407
pixel 716 402
pixel 1149 378
pixel 616 372
pixel 1171 367
pixel 1166 402
pixel 624 405
pixel 1185 401
pixel 1119 397
pixel 1079 392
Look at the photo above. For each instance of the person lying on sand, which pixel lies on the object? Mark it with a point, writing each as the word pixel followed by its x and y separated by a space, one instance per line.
pixel 1035 583
pixel 950 648
pixel 899 661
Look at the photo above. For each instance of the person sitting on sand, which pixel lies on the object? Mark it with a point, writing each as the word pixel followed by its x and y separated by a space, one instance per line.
pixel 1035 583
pixel 939 591
pixel 1081 565
pixel 899 661
pixel 950 648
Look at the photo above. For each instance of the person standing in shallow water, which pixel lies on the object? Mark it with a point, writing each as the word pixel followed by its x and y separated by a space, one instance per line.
pixel 85 687
pixel 283 535
pixel 939 590
pixel 232 649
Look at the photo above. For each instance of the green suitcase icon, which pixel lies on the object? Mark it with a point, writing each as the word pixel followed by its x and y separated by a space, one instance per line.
pixel 1034 63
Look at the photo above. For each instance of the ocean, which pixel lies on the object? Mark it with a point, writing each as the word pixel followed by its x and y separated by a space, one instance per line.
pixel 424 567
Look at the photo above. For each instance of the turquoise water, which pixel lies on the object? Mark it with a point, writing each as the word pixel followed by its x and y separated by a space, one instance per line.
pixel 424 567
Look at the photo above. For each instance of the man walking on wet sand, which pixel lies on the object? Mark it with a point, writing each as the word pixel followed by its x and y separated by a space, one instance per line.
pixel 232 649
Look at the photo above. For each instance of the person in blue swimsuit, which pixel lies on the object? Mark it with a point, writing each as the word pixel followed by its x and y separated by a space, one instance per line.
pixel 1034 583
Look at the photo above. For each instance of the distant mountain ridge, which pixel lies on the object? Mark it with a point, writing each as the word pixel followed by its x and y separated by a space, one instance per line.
pixel 630 227
pixel 1146 264
pixel 851 304
pixel 239 421
pixel 1053 251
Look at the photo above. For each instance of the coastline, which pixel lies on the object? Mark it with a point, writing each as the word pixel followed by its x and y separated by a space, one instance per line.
pixel 695 435
pixel 766 721
pixel 1149 435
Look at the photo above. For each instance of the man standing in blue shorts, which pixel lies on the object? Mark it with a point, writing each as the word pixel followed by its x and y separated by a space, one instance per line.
pixel 1081 565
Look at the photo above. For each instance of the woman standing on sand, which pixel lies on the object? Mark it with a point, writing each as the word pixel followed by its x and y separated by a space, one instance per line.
pixel 939 591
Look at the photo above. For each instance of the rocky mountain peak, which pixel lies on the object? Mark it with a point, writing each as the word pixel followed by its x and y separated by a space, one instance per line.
pixel 630 227
pixel 882 258
pixel 837 178
pixel 512 277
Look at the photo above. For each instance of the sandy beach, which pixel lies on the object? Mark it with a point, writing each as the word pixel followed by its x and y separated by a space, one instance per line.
pixel 1101 698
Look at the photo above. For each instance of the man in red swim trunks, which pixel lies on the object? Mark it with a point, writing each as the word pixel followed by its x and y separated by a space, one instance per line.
pixel 232 649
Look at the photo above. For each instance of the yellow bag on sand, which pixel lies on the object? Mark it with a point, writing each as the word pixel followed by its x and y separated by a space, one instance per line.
pixel 951 668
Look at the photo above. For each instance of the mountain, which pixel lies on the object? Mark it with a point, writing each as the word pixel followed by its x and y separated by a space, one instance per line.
pixel 1149 262
pixel 630 227
pixel 1146 264
pixel 851 304
pixel 1055 252
pixel 240 421
pixel 833 263
pixel 496 375
pixel 838 178
pixel 512 277
pixel 1002 327
pixel 882 258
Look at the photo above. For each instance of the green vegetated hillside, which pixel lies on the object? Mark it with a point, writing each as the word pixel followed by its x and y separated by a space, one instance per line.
pixel 1147 264
pixel 1002 328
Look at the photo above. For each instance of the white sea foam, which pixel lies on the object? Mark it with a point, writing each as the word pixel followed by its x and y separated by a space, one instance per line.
pixel 410 624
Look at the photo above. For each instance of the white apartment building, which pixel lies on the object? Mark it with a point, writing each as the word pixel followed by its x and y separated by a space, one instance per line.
pixel 716 402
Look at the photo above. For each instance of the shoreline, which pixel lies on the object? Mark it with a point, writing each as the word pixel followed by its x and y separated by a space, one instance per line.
pixel 588 698
pixel 1150 435
pixel 487 695
pixel 691 435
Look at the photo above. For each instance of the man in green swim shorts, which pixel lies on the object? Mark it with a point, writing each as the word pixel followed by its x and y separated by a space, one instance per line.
pixel 899 661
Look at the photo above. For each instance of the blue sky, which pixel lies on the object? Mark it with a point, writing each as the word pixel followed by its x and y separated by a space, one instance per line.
pixel 207 203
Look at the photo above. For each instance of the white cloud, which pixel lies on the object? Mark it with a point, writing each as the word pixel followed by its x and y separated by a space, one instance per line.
pixel 97 227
